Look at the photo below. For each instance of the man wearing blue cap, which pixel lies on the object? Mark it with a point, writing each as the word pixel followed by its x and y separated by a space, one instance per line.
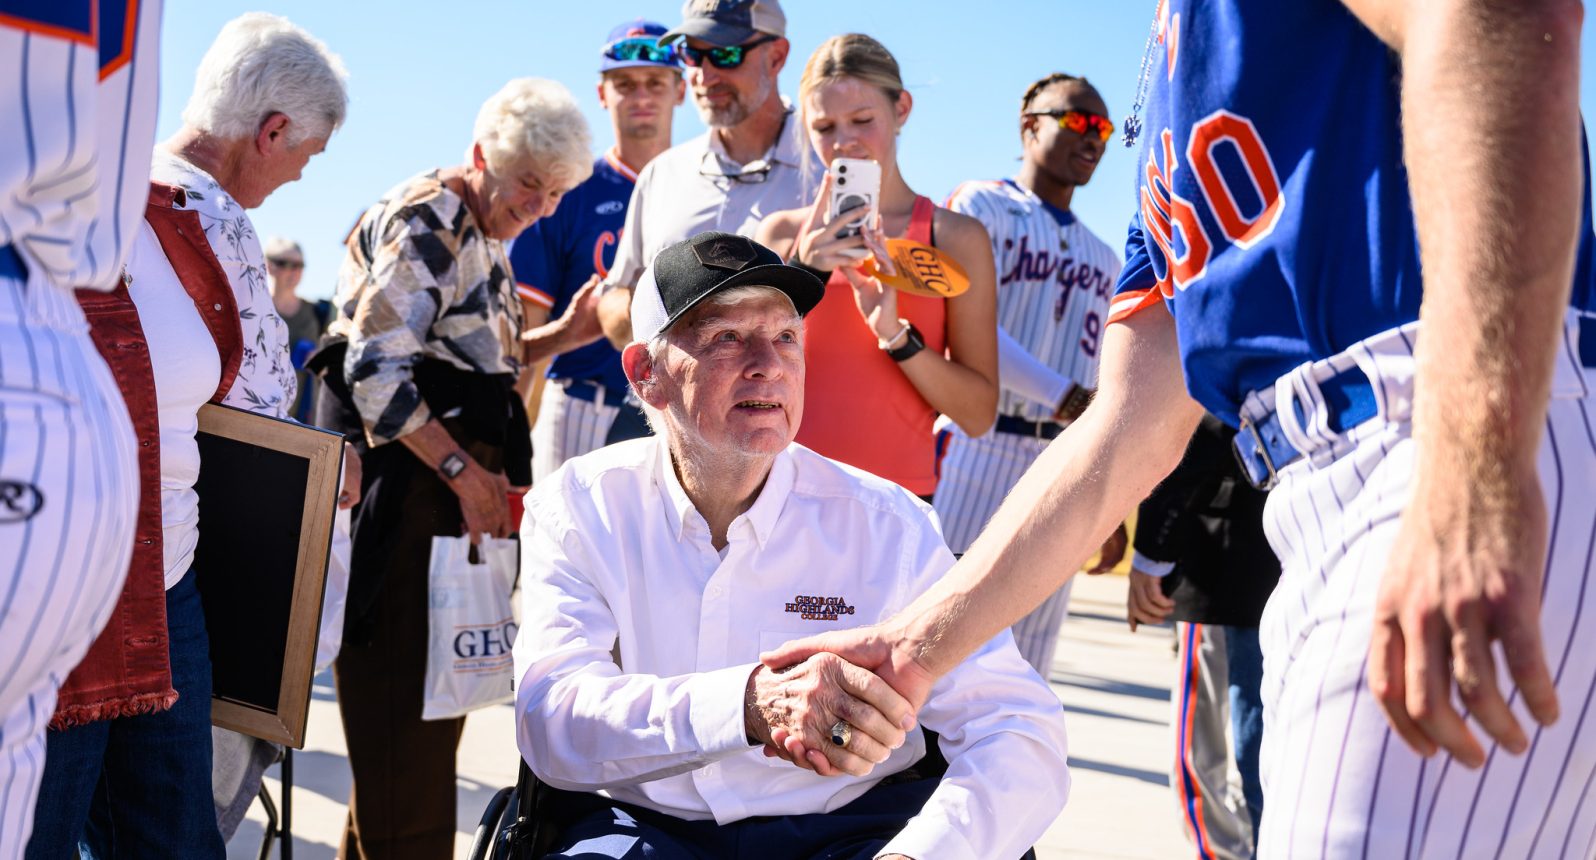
pixel 747 165
pixel 583 404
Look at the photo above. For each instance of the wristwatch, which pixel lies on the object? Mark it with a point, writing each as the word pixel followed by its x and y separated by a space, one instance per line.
pixel 912 345
pixel 452 466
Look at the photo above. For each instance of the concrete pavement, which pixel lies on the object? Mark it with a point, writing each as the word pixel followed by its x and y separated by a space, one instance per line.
pixel 1115 687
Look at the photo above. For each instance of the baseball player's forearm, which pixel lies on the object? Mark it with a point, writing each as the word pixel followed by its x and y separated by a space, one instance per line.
pixel 1497 213
pixel 1497 210
pixel 1071 499
pixel 615 316
pixel 1024 374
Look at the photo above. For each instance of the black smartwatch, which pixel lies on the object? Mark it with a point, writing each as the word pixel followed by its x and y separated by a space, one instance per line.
pixel 912 344
pixel 452 466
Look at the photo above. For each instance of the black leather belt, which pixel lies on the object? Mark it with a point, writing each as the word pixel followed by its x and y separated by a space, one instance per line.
pixel 1048 430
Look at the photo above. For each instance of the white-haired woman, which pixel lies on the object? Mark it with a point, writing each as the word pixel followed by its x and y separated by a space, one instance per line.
pixel 128 762
pixel 421 363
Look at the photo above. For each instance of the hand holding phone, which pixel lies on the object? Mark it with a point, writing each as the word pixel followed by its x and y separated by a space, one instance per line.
pixel 855 183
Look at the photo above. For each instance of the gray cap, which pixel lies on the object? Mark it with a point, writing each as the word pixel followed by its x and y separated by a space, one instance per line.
pixel 728 22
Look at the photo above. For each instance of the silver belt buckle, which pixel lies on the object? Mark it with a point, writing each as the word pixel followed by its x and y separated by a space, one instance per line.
pixel 1273 478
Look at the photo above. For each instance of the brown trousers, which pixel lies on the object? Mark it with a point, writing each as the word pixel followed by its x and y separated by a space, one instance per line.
pixel 402 803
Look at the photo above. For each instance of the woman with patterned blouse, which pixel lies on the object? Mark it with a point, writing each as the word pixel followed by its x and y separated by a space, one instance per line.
pixel 428 343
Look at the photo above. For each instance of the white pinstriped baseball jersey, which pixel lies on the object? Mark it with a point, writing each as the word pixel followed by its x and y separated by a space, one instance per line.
pixel 1054 281
pixel 77 125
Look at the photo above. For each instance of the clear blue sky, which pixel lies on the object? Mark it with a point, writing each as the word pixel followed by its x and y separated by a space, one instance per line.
pixel 419 69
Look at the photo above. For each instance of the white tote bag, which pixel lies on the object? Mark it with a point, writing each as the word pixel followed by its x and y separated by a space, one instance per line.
pixel 469 665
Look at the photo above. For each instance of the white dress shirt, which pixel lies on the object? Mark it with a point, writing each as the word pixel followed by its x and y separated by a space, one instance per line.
pixel 614 554
pixel 694 186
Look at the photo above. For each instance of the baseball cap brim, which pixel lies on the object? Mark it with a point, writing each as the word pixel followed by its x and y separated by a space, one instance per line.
pixel 711 31
pixel 800 287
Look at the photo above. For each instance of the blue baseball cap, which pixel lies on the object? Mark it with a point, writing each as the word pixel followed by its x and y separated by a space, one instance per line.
pixel 729 22
pixel 617 54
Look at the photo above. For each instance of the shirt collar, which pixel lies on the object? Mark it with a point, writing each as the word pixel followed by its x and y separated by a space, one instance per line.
pixel 1064 217
pixel 761 516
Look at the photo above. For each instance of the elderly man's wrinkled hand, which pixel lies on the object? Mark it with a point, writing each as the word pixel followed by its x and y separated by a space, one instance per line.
pixel 801 703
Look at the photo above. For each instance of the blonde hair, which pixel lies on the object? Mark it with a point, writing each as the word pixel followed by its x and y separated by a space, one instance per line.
pixel 535 119
pixel 851 55
pixel 262 64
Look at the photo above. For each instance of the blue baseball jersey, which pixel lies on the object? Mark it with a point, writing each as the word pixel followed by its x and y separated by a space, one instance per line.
pixel 553 258
pixel 1274 213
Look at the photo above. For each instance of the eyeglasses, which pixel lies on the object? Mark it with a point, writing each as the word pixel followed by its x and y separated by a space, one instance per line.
pixel 644 50
pixel 286 264
pixel 1080 122
pixel 728 57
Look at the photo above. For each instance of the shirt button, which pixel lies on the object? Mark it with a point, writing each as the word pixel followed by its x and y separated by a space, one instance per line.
pixel 217 306
pixel 714 591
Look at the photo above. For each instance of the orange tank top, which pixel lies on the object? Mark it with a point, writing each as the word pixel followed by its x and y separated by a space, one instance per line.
pixel 859 408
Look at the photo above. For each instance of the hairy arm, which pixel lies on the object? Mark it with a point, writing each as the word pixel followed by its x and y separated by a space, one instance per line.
pixel 1071 499
pixel 1497 216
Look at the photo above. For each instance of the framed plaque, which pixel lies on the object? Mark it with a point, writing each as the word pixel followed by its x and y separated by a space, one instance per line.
pixel 267 494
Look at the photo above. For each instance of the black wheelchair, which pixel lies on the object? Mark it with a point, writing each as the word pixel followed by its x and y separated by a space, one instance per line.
pixel 523 822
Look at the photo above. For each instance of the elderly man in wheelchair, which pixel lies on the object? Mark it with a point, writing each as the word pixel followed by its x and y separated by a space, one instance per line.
pixel 656 570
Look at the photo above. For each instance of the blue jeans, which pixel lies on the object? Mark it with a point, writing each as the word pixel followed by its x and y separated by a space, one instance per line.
pixel 138 787
pixel 1246 712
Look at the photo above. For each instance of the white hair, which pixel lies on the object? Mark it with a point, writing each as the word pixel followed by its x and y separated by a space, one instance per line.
pixel 536 120
pixel 277 246
pixel 262 64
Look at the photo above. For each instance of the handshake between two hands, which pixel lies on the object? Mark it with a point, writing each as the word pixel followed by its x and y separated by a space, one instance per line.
pixel 804 688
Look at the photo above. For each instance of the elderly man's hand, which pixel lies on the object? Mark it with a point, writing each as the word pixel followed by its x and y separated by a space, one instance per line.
pixel 803 701
pixel 874 648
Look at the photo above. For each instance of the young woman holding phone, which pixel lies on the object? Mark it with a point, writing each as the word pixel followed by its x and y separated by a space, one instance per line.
pixel 880 364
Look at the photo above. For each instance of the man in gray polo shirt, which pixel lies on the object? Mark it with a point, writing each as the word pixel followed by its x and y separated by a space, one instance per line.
pixel 749 163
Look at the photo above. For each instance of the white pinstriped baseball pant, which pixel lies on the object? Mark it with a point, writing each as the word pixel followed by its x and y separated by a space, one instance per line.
pixel 1338 781
pixel 68 497
pixel 567 427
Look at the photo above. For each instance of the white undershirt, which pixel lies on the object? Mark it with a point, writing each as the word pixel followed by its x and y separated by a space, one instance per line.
pixel 187 369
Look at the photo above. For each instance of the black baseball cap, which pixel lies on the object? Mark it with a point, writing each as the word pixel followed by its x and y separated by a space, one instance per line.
pixel 688 272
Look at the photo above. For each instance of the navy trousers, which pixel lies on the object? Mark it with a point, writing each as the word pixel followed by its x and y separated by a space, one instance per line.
pixel 853 832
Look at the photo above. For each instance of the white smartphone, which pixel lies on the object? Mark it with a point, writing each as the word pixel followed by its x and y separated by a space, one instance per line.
pixel 855 182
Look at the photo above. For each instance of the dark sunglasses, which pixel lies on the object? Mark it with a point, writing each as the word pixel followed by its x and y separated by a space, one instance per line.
pixel 286 264
pixel 729 57
pixel 641 50
pixel 1080 122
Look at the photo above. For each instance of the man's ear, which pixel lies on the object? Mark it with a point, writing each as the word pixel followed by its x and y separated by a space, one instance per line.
pixel 273 133
pixel 778 55
pixel 639 368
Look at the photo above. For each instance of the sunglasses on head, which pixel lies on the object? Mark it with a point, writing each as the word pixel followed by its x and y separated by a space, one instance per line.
pixel 1080 122
pixel 286 264
pixel 728 57
pixel 640 50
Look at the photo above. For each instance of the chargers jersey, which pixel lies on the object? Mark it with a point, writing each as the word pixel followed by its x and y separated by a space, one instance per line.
pixel 1274 214
pixel 1054 280
pixel 77 126
pixel 553 258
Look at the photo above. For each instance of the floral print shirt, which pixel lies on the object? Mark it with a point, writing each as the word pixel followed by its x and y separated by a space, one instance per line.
pixel 420 280
pixel 265 382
